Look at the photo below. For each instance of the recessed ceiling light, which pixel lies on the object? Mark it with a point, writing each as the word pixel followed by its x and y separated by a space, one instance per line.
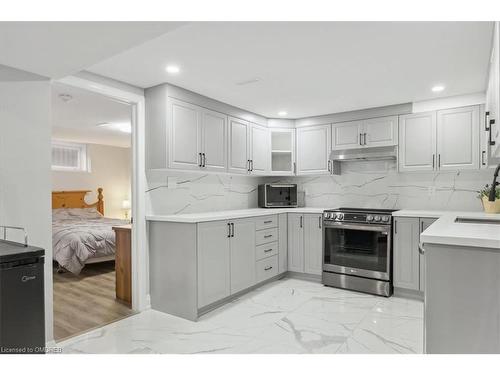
pixel 172 69
pixel 437 88
pixel 282 113
pixel 248 81
pixel 124 127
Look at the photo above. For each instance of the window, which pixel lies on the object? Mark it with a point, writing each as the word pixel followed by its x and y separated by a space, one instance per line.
pixel 68 156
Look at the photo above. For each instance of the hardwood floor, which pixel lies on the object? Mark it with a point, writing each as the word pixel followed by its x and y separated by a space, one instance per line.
pixel 86 301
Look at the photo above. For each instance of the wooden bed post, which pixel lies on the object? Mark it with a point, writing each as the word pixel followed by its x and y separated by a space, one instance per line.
pixel 100 201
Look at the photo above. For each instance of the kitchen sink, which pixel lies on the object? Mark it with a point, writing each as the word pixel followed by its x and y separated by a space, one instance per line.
pixel 471 220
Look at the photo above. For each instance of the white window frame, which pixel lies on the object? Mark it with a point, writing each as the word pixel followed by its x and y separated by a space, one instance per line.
pixel 83 157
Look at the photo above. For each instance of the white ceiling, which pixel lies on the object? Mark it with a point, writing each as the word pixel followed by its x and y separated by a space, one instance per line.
pixel 76 119
pixel 310 68
pixel 58 49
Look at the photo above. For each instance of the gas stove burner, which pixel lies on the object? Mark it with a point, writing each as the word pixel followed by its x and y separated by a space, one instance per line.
pixel 359 215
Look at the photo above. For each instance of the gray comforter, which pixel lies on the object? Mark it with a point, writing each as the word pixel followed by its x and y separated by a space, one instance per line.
pixel 75 240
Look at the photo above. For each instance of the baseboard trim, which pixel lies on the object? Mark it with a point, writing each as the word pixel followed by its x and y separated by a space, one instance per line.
pixel 408 293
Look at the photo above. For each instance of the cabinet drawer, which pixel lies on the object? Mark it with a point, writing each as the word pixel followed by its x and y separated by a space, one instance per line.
pixel 266 250
pixel 266 236
pixel 267 268
pixel 266 222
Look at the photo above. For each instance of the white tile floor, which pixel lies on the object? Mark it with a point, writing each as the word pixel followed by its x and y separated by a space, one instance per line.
pixel 285 316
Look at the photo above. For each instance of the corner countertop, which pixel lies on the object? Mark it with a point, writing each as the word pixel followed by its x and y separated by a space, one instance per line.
pixel 445 231
pixel 231 214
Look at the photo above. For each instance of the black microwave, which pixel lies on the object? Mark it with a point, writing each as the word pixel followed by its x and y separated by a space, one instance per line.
pixel 277 195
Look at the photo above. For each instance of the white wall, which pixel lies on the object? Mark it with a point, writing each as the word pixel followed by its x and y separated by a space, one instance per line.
pixel 111 169
pixel 25 169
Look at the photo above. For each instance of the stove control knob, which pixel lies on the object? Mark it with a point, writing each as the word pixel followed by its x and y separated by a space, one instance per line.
pixel 376 218
pixel 339 216
pixel 369 218
pixel 385 218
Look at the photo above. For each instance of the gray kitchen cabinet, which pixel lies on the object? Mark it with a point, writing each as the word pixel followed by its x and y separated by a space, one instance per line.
pixel 313 150
pixel 260 156
pixel 184 124
pixel 406 269
pixel 417 142
pixel 282 243
pixel 374 132
pixel 424 224
pixel 213 140
pixel 296 242
pixel 239 146
pixel 493 97
pixel 347 135
pixel 458 138
pixel 305 243
pixel 313 244
pixel 214 262
pixel 242 244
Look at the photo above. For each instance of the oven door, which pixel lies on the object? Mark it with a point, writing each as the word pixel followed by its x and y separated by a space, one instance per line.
pixel 357 249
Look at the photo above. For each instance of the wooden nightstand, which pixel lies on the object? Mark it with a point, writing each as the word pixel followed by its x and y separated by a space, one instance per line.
pixel 123 263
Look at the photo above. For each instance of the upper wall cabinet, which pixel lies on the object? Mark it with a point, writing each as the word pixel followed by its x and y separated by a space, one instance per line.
pixel 249 148
pixel 184 128
pixel 282 152
pixel 376 132
pixel 313 149
pixel 239 146
pixel 197 137
pixel 417 142
pixel 442 140
pixel 458 138
pixel 492 125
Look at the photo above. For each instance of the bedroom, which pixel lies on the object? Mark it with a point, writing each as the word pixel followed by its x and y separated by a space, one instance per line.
pixel 91 201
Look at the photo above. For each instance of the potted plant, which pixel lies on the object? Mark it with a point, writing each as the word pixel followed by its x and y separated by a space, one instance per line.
pixel 490 207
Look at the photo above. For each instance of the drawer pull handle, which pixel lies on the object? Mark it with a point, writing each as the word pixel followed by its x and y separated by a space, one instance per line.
pixel 268 250
pixel 268 268
pixel 268 222
pixel 268 235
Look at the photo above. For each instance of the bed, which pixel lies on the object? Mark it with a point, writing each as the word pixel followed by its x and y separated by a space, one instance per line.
pixel 81 234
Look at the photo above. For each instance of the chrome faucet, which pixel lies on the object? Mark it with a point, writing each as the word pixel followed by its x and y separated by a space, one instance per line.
pixel 493 189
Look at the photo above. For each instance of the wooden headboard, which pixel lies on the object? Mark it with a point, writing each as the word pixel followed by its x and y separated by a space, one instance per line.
pixel 76 199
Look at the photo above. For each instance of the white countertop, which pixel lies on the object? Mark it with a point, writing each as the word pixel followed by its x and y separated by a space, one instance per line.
pixel 231 214
pixel 420 213
pixel 446 231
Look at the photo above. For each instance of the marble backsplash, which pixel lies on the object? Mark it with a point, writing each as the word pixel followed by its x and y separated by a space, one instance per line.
pixel 182 192
pixel 361 184
pixel 377 184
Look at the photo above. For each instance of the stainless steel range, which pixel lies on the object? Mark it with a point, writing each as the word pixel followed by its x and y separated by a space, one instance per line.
pixel 357 249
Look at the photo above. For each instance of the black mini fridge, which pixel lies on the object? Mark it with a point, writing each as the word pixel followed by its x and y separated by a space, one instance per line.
pixel 22 311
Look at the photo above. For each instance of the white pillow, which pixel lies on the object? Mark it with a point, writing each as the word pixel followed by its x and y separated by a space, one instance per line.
pixel 84 213
pixel 60 214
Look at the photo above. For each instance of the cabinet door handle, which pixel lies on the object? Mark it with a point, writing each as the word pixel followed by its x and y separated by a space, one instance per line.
pixel 421 226
pixel 228 230
pixel 360 139
pixel 268 235
pixel 204 160
pixel 492 143
pixel 294 168
pixel 268 250
pixel 200 160
pixel 251 163
pixel 421 248
pixel 268 222
pixel 395 226
pixel 364 139
pixel 433 160
pixel 486 116
pixel 301 221
pixel 268 268
pixel 439 161
pixel 483 154
pixel 319 221
pixel 232 229
pixel 328 167
pixel 248 165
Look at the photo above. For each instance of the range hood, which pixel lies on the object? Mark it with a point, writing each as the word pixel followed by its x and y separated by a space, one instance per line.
pixel 365 154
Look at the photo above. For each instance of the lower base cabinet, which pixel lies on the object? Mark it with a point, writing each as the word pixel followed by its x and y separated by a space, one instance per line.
pixel 242 244
pixel 409 264
pixel 305 243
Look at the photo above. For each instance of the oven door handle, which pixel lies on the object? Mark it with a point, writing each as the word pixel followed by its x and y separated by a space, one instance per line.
pixel 385 229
